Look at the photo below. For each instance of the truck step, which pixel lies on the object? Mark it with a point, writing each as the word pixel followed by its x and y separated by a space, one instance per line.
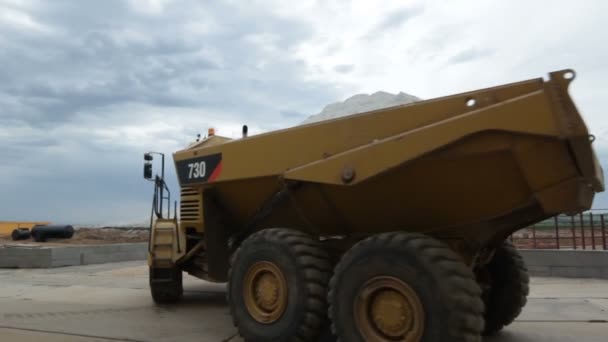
pixel 161 281
pixel 165 229
pixel 163 244
pixel 163 259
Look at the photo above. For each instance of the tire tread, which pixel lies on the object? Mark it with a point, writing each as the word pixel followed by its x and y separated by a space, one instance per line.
pixel 313 265
pixel 465 294
pixel 504 307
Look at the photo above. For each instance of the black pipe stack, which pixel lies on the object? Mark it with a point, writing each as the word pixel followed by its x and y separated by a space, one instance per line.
pixel 42 233
pixel 20 234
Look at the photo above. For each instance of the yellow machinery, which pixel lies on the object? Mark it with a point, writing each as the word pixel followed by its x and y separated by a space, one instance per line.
pixel 6 227
pixel 392 222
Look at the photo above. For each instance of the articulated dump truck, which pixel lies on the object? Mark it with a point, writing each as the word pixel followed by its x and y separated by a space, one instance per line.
pixel 389 225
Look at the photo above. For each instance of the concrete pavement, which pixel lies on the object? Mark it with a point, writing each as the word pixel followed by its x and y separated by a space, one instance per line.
pixel 111 302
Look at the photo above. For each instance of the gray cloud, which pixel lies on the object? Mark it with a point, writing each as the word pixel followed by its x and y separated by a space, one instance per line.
pixel 468 55
pixel 92 62
pixel 344 68
pixel 292 114
pixel 399 17
pixel 395 20
pixel 87 86
pixel 71 81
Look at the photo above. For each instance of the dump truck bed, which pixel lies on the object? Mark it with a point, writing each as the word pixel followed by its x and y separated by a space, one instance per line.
pixel 476 166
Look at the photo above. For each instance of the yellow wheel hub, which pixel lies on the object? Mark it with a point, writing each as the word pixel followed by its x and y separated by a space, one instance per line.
pixel 265 292
pixel 387 309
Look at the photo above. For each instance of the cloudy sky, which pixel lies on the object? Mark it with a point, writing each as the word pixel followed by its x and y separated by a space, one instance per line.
pixel 87 86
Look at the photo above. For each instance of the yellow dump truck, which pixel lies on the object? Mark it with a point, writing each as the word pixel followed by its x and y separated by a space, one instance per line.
pixel 391 225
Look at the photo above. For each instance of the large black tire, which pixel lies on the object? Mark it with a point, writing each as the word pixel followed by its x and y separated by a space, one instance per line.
pixel 166 285
pixel 508 290
pixel 446 288
pixel 305 269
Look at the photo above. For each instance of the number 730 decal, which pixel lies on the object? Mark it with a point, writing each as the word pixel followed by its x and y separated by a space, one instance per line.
pixel 199 170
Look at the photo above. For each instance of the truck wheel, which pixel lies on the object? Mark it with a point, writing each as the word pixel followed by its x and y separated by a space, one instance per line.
pixel 404 287
pixel 166 285
pixel 508 290
pixel 278 286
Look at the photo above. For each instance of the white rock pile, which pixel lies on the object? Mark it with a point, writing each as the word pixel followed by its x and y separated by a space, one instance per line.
pixel 361 103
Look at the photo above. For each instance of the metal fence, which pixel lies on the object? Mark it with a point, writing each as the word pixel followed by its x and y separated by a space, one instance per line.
pixel 585 231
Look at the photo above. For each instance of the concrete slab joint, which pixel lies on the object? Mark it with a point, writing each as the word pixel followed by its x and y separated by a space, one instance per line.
pixel 19 256
pixel 566 263
pixel 555 263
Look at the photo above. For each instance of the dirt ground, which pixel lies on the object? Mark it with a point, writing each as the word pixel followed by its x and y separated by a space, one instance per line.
pixel 90 236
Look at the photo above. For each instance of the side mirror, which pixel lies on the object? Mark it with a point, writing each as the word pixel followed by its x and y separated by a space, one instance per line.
pixel 148 157
pixel 148 170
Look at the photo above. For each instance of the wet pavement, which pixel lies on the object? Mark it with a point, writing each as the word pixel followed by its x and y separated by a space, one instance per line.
pixel 111 302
